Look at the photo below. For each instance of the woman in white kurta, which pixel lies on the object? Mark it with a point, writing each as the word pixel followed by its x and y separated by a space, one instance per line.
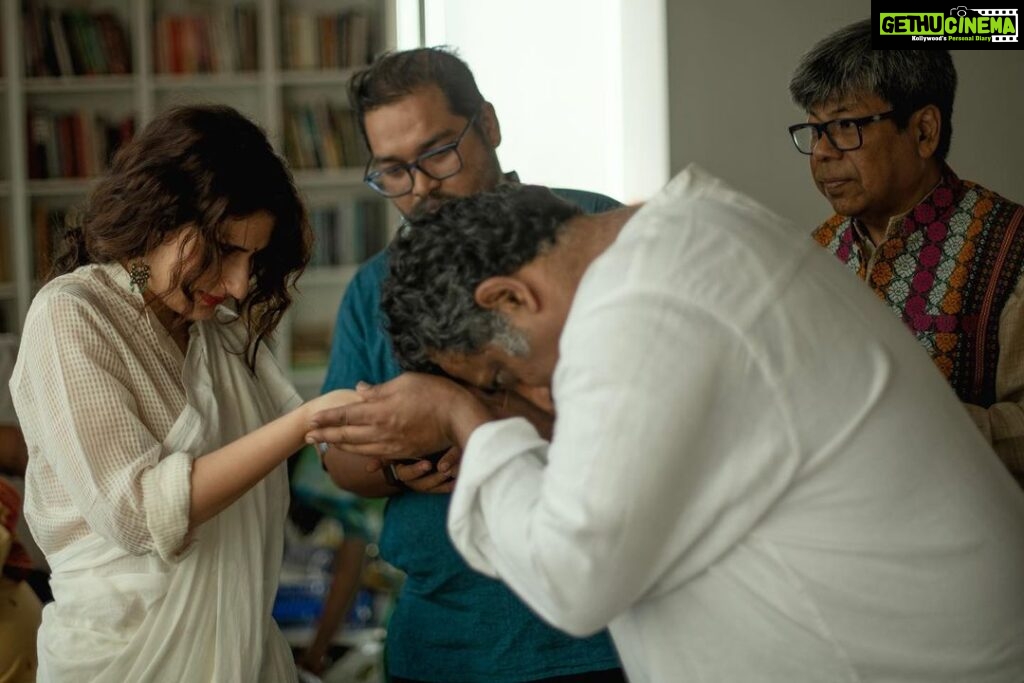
pixel 157 422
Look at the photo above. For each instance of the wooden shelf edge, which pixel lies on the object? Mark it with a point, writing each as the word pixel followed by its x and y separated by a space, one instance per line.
pixel 78 84
pixel 203 81
pixel 60 187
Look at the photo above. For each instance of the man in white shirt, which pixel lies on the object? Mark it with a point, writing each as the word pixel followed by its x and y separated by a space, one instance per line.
pixel 754 474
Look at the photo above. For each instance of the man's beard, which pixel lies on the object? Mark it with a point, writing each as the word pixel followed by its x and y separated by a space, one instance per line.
pixel 508 337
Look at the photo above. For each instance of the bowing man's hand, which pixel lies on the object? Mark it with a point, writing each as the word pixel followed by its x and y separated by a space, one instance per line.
pixel 411 416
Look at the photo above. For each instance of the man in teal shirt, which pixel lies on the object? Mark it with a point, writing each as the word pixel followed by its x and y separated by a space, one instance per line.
pixel 432 137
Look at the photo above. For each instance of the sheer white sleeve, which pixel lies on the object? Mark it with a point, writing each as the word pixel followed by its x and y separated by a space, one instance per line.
pixel 80 404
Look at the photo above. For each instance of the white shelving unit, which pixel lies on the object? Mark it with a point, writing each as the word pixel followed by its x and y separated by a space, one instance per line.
pixel 264 94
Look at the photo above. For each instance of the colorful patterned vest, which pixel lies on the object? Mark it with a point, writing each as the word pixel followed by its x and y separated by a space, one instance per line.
pixel 947 272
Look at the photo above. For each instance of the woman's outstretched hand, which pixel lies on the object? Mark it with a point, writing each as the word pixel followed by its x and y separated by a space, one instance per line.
pixel 411 416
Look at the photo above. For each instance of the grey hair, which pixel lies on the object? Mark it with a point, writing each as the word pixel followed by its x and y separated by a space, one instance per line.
pixel 844 64
pixel 508 338
pixel 437 262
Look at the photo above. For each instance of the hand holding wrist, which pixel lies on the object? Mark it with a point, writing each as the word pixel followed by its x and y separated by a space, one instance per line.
pixel 465 413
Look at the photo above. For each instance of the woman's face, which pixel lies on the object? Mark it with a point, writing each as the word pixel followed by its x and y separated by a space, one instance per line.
pixel 243 238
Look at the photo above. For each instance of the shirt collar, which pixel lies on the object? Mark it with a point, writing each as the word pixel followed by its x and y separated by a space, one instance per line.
pixel 947 181
pixel 118 274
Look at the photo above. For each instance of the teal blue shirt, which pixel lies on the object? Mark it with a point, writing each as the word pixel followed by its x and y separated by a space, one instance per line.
pixel 450 624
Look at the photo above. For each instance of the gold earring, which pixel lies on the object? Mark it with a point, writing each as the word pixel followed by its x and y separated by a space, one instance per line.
pixel 138 275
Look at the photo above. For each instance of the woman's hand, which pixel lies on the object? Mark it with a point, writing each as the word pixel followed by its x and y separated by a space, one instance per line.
pixel 332 399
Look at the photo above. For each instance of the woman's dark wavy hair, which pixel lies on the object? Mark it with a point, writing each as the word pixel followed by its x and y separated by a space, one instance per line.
pixel 437 261
pixel 198 166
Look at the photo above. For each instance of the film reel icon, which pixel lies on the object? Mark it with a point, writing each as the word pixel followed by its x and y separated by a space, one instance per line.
pixel 1003 13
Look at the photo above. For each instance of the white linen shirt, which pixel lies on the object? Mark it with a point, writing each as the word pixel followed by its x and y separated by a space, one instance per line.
pixel 113 415
pixel 98 385
pixel 755 472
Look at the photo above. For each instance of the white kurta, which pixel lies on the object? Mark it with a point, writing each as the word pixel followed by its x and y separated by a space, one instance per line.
pixel 755 475
pixel 113 415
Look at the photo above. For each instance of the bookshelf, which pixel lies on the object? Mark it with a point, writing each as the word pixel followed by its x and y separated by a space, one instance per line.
pixel 80 77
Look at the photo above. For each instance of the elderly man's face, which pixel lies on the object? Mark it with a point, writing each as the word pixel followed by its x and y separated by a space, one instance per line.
pixel 420 122
pixel 875 182
pixel 494 369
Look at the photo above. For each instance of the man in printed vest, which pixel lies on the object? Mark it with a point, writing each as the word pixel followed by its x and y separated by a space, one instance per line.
pixel 946 254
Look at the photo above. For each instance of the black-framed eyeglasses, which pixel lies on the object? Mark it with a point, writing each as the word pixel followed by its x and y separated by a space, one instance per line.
pixel 844 134
pixel 437 163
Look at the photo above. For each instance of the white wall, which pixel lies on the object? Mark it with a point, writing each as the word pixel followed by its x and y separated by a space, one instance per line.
pixel 580 86
pixel 729 67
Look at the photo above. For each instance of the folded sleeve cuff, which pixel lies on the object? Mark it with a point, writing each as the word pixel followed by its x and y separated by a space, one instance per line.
pixel 167 489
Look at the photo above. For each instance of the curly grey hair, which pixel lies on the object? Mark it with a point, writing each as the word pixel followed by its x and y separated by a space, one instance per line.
pixel 437 261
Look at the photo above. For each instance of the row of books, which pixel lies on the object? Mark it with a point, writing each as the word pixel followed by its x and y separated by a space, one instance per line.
pixel 322 135
pixel 313 40
pixel 74 42
pixel 347 234
pixel 76 144
pixel 81 143
pixel 221 41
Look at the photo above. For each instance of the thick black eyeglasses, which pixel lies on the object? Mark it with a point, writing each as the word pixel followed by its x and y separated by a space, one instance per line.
pixel 438 163
pixel 844 134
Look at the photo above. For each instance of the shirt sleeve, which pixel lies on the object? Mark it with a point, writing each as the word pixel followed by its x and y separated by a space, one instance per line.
pixel 81 416
pixel 666 421
pixel 1002 423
